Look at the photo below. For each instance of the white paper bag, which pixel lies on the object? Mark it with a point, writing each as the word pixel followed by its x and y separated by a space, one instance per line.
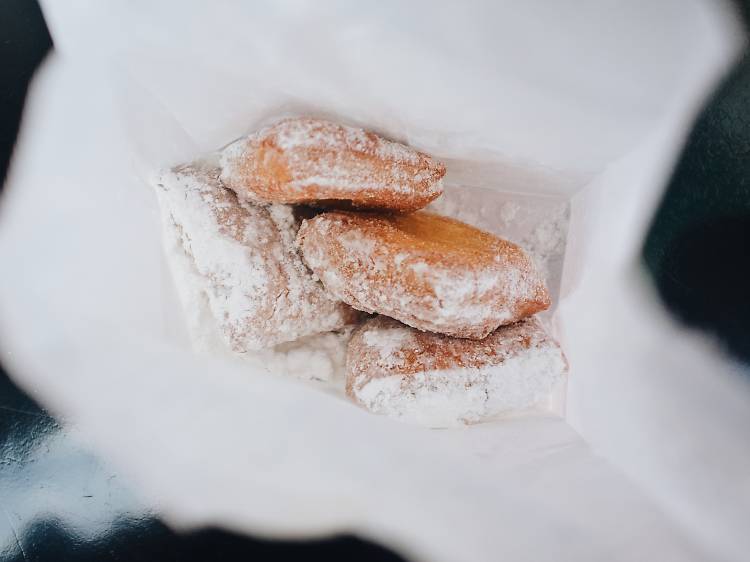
pixel 587 102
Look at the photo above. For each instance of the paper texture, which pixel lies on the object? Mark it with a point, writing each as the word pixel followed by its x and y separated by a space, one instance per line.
pixel 588 104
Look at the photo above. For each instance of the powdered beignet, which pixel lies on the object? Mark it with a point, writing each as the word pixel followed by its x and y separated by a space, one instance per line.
pixel 259 291
pixel 440 381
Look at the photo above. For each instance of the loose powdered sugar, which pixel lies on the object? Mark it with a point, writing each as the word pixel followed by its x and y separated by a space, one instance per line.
pixel 388 342
pixel 537 223
pixel 463 396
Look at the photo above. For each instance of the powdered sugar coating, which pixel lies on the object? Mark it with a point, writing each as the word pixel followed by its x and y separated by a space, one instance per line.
pixel 318 357
pixel 430 272
pixel 440 381
pixel 258 290
pixel 306 160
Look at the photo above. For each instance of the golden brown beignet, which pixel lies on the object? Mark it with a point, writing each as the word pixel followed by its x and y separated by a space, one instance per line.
pixel 430 272
pixel 439 380
pixel 316 162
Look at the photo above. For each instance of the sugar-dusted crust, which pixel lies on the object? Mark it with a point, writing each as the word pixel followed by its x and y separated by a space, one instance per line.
pixel 311 161
pixel 430 272
pixel 439 380
pixel 259 291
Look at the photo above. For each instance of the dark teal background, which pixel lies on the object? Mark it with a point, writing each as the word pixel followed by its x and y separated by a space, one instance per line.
pixel 698 249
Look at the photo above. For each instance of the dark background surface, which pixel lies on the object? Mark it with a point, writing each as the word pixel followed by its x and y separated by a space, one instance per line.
pixel 59 502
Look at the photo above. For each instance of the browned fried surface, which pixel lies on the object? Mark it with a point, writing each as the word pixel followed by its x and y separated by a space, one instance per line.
pixel 311 161
pixel 430 272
